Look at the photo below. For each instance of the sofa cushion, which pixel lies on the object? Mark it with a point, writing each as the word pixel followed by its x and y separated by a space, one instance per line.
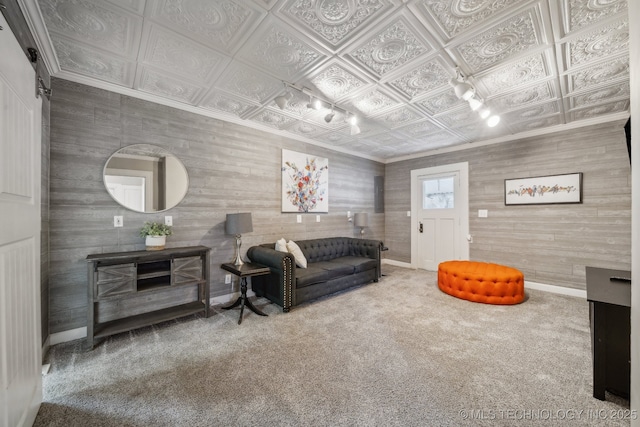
pixel 311 275
pixel 294 250
pixel 359 264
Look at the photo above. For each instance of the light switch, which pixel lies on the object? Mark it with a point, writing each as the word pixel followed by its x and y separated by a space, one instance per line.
pixel 483 213
pixel 299 219
pixel 317 218
pixel 118 221
pixel 168 220
pixel 408 213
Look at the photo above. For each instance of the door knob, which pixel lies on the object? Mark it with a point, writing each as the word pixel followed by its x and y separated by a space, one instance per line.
pixel 420 228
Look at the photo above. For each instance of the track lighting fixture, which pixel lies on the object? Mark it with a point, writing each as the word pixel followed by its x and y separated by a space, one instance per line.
pixel 317 103
pixel 465 91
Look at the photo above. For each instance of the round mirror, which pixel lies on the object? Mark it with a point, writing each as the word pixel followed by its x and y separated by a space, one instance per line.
pixel 145 178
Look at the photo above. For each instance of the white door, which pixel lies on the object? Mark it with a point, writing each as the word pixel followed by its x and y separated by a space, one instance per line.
pixel 20 333
pixel 440 215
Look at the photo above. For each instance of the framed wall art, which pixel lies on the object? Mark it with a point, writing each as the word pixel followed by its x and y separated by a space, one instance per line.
pixel 305 182
pixel 540 190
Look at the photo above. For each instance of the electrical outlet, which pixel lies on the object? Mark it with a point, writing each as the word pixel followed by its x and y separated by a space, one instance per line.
pixel 118 221
pixel 227 279
pixel 299 219
pixel 317 218
pixel 168 220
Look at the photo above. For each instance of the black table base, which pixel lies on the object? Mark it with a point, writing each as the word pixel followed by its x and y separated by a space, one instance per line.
pixel 244 300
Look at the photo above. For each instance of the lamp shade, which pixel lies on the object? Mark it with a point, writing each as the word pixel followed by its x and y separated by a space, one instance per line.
pixel 361 219
pixel 238 223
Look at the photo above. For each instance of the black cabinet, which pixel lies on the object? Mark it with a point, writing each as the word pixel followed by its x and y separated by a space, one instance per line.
pixel 128 290
pixel 609 296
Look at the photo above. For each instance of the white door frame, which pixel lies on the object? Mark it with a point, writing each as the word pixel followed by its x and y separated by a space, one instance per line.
pixel 463 171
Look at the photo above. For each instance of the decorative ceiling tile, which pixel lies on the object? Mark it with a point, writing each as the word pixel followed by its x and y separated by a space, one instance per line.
pixel 523 71
pixel 273 119
pixel 136 6
pixel 602 73
pixel 600 96
pixel 523 97
pixel 73 57
pixel 164 85
pixel 182 56
pixel 389 49
pixel 305 129
pixel 373 102
pixel 277 51
pixel 319 118
pixel 220 24
pixel 441 138
pixel 611 39
pixel 583 13
pixel 398 117
pixel 419 129
pixel 441 102
pixel 530 113
pixel 333 20
pixel 249 83
pixel 600 110
pixel 336 82
pixel 455 16
pixel 458 118
pixel 297 104
pixel 339 138
pixel 515 35
pixel 425 78
pixel 218 100
pixel 89 22
pixel 536 124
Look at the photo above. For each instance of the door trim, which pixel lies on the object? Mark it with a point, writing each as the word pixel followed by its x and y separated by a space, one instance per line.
pixel 463 171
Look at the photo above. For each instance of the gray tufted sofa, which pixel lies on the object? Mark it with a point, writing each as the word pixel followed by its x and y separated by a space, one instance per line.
pixel 333 264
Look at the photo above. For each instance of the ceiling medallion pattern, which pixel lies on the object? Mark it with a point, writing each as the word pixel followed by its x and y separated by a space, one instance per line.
pixel 163 85
pixel 273 119
pixel 336 82
pixel 219 101
pixel 599 74
pixel 586 12
pixel 182 57
pixel 399 117
pixel 598 96
pixel 373 102
pixel 443 101
pixel 391 48
pixel 537 124
pixel 526 96
pixel 302 128
pixel 456 16
pixel 89 22
pixel 532 112
pixel 521 72
pixel 458 118
pixel 218 21
pixel 422 80
pixel 249 84
pixel 73 57
pixel 597 111
pixel 333 20
pixel 420 129
pixel 515 35
pixel 608 40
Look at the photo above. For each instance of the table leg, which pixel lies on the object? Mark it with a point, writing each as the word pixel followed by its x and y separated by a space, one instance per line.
pixel 243 300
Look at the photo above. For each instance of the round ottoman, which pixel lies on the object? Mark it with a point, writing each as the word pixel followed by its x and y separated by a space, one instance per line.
pixel 481 282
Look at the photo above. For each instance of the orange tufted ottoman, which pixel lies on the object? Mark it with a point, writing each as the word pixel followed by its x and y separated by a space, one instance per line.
pixel 481 282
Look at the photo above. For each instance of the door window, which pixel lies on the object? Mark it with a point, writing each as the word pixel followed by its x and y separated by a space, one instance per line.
pixel 438 193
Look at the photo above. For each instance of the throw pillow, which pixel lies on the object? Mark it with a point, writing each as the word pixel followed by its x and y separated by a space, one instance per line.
pixel 295 250
pixel 281 245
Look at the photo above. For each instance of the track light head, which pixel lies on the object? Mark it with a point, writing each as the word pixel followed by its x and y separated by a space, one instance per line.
pixel 314 103
pixel 329 117
pixel 493 120
pixel 484 112
pixel 355 129
pixel 282 100
pixel 474 103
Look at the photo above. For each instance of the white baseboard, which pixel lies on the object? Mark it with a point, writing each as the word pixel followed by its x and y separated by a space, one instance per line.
pixel 66 336
pixel 556 289
pixel 396 263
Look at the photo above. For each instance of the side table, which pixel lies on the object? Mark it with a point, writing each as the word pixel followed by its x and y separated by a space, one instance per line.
pixel 243 271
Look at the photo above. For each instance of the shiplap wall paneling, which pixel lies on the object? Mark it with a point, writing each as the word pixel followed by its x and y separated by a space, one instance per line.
pixel 231 168
pixel 551 244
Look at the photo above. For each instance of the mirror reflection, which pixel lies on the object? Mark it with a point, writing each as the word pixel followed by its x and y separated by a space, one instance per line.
pixel 145 178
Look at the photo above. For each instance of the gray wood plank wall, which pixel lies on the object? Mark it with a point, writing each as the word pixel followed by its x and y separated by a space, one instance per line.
pixel 232 168
pixel 551 244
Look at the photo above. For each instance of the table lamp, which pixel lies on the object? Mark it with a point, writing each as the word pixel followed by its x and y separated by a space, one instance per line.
pixel 237 224
pixel 361 220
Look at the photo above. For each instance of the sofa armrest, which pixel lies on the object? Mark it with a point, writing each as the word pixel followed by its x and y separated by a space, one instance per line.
pixel 368 248
pixel 278 286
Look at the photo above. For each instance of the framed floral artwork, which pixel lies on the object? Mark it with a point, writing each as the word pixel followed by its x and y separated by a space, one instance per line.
pixel 305 182
pixel 544 190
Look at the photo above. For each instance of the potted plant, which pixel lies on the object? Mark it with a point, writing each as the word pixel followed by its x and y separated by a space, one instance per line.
pixel 156 235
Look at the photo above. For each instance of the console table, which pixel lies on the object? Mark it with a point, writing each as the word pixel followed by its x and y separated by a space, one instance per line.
pixel 609 296
pixel 129 290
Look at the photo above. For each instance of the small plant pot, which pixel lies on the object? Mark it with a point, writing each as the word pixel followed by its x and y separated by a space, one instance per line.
pixel 155 243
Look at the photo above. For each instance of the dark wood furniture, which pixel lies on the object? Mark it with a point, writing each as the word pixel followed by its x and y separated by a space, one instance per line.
pixel 609 296
pixel 129 290
pixel 243 271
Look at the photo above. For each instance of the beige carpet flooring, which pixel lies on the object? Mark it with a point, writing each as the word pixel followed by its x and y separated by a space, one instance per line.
pixel 394 353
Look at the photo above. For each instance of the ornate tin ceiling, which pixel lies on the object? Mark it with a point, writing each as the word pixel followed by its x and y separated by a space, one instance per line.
pixel 541 65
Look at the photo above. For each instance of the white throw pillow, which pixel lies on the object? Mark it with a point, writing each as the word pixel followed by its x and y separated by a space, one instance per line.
pixel 295 250
pixel 281 245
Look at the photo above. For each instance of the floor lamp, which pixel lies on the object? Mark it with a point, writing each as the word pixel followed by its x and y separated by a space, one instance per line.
pixel 238 224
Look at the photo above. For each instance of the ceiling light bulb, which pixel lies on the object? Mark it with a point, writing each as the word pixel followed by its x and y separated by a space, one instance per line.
pixel 355 129
pixel 493 121
pixel 484 112
pixel 353 120
pixel 474 104
pixel 469 92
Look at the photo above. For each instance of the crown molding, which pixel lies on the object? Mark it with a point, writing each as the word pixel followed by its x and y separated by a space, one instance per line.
pixel 36 25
